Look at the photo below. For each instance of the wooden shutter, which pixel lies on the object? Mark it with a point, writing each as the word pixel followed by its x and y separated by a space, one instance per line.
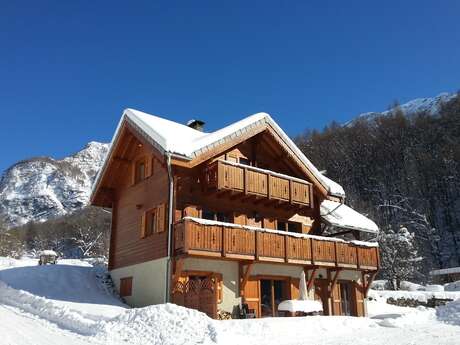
pixel 336 300
pixel 148 167
pixel 191 211
pixel 152 166
pixel 143 225
pixel 239 218
pixel 252 294
pixel 161 218
pixel 126 286
pixel 269 223
pixel 358 299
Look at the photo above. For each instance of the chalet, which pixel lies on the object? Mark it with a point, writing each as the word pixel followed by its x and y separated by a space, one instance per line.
pixel 229 219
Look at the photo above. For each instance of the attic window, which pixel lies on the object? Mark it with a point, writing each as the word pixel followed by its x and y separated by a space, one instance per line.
pixel 140 173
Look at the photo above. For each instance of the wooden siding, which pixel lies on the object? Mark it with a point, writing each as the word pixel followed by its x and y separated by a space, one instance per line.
pixel 235 243
pixel 127 245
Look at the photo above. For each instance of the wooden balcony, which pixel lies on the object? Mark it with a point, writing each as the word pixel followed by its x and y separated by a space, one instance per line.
pixel 251 181
pixel 212 240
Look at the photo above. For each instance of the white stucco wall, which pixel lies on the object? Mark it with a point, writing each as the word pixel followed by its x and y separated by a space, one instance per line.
pixel 148 282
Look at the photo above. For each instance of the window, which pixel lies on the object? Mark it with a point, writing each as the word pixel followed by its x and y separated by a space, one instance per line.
pixel 139 172
pixel 281 225
pixel 295 227
pixel 150 222
pixel 209 215
pixel 126 286
pixel 222 217
pixel 219 216
pixel 153 221
pixel 244 161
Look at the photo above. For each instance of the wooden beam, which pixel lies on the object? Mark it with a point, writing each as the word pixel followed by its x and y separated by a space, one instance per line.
pixel 334 280
pixel 244 276
pixel 311 279
pixel 178 268
pixel 367 286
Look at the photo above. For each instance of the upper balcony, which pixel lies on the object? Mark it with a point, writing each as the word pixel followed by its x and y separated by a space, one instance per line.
pixel 199 237
pixel 259 183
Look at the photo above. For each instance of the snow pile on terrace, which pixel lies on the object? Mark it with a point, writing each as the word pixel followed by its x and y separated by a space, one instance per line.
pixel 450 313
pixel 343 216
pixel 306 306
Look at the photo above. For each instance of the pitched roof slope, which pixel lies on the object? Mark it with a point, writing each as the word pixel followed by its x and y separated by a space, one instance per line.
pixel 185 142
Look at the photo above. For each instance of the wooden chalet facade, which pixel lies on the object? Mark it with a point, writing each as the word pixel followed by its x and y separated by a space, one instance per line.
pixel 215 220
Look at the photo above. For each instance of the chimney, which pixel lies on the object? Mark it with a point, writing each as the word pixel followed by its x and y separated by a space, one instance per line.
pixel 196 124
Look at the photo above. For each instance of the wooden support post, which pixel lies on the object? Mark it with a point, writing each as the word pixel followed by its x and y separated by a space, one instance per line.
pixel 244 276
pixel 311 279
pixel 177 271
pixel 334 280
pixel 367 286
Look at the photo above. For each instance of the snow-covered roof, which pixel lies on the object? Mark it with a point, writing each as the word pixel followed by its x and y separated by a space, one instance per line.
pixel 185 142
pixel 443 271
pixel 343 216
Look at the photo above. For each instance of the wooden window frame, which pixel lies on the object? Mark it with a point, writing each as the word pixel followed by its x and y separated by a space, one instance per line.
pixel 136 175
pixel 158 225
pixel 126 286
pixel 150 224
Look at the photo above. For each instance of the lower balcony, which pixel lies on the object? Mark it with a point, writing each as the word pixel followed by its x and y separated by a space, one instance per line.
pixel 198 237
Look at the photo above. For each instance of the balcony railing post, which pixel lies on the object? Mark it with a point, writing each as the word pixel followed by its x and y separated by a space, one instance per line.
pixel 269 187
pixel 245 179
pixel 290 191
pixel 286 248
pixel 224 241
pixel 336 254
pixel 186 235
pixel 358 261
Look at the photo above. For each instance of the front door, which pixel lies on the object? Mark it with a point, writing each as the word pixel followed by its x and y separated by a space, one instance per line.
pixel 346 298
pixel 272 292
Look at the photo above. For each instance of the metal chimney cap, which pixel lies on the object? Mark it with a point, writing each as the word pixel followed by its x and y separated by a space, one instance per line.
pixel 196 124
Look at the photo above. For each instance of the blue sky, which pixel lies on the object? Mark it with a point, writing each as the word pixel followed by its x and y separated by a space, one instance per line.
pixel 69 68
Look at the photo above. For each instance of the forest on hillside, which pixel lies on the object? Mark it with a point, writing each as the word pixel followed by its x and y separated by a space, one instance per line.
pixel 404 173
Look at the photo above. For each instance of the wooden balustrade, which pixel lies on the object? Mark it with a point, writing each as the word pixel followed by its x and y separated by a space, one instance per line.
pixel 237 243
pixel 248 180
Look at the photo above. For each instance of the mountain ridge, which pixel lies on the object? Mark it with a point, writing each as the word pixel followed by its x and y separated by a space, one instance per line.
pixel 41 188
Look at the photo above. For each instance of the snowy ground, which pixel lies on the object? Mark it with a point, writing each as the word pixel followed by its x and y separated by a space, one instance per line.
pixel 66 304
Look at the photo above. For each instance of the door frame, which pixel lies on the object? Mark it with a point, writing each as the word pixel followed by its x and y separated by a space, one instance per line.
pixel 287 289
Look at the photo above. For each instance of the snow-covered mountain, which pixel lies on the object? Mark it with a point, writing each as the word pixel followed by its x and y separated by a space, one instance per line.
pixel 430 105
pixel 41 188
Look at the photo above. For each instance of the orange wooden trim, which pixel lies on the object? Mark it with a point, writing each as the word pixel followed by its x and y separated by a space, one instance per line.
pixel 311 279
pixel 334 280
pixel 246 275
